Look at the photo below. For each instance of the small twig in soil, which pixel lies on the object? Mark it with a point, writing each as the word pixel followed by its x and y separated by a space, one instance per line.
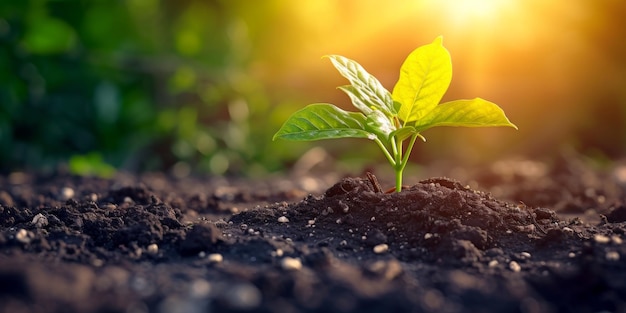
pixel 534 221
pixel 374 182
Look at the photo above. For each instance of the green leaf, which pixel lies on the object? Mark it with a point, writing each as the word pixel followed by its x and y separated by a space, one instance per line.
pixel 424 77
pixel 357 99
pixel 323 121
pixel 406 132
pixel 381 125
pixel 468 113
pixel 366 86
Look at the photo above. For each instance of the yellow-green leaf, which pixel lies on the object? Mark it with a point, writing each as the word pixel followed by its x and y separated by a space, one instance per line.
pixel 467 113
pixel 424 77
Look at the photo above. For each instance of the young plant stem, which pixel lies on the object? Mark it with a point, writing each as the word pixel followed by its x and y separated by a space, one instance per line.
pixel 402 161
pixel 398 168
pixel 386 152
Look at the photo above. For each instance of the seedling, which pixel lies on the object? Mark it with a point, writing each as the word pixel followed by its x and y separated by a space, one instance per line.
pixel 391 119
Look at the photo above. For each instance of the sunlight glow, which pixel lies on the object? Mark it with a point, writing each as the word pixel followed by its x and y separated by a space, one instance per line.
pixel 470 12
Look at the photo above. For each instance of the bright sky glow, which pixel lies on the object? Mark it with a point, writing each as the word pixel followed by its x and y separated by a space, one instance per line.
pixel 468 10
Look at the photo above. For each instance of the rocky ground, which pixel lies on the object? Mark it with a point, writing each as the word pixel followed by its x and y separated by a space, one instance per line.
pixel 517 236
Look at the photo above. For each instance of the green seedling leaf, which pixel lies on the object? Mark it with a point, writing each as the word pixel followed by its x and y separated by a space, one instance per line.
pixel 358 100
pixel 467 113
pixel 391 120
pixel 323 121
pixel 378 123
pixel 366 87
pixel 424 77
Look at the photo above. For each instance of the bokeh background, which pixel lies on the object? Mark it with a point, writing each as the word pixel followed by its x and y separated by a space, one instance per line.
pixel 200 86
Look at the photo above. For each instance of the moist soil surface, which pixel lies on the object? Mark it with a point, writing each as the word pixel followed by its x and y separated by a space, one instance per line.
pixel 516 236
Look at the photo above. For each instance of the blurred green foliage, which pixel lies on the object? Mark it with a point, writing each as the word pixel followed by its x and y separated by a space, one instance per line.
pixel 137 84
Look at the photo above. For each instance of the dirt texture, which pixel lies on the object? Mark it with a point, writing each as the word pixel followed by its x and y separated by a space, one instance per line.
pixel 517 236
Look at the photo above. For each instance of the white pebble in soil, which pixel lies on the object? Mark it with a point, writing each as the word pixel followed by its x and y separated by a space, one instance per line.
pixel 40 220
pixel 283 219
pixel 242 297
pixel 601 238
pixel 381 248
pixel 24 236
pixel 215 258
pixel 612 256
pixel 514 266
pixel 200 288
pixel 291 264
pixel 153 249
pixel 66 193
pixel 617 240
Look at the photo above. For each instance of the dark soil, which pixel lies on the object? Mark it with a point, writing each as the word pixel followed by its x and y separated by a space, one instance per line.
pixel 539 237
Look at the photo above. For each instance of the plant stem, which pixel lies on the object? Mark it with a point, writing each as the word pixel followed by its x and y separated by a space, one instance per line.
pixel 402 161
pixel 398 170
pixel 405 160
pixel 386 152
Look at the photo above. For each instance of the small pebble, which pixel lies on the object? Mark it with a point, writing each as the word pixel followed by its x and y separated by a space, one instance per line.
pixel 344 207
pixel 242 297
pixel 571 255
pixel 153 249
pixel 40 220
pixel 387 269
pixel 428 236
pixel 525 255
pixel 283 219
pixel 215 258
pixel 601 238
pixel 201 254
pixel 291 264
pixel 67 193
pixel 24 236
pixel 515 267
pixel 493 263
pixel 616 240
pixel 110 206
pixel 200 288
pixel 612 256
pixel 568 230
pixel 381 248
